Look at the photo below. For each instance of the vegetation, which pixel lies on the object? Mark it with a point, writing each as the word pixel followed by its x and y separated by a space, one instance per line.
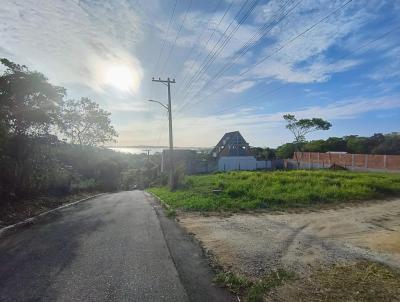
pixel 300 128
pixel 376 144
pixel 361 281
pixel 83 122
pixel 276 190
pixel 253 291
pixel 50 146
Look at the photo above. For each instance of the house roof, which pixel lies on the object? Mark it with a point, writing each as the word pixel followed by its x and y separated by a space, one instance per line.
pixel 232 144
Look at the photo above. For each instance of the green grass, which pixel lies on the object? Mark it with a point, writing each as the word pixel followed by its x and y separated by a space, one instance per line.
pixel 253 291
pixel 245 190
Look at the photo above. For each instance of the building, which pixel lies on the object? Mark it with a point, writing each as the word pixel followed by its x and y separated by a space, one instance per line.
pixel 233 153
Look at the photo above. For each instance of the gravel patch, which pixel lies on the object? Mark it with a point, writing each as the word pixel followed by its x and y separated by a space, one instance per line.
pixel 258 243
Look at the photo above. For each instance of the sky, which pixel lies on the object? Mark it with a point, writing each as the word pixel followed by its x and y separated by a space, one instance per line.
pixel 238 64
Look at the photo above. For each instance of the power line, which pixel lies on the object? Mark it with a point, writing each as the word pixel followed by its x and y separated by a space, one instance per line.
pixel 340 58
pixel 205 28
pixel 208 41
pixel 225 42
pixel 189 82
pixel 177 36
pixel 214 52
pixel 164 40
pixel 277 50
pixel 253 41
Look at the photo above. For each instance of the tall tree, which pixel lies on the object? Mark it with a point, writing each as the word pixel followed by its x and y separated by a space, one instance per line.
pixel 300 128
pixel 83 122
pixel 29 108
pixel 29 103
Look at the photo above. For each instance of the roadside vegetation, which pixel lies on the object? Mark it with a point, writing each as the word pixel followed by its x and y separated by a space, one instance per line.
pixel 253 291
pixel 378 143
pixel 360 281
pixel 245 190
pixel 51 147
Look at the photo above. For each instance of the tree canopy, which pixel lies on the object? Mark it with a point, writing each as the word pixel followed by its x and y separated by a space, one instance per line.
pixel 34 117
pixel 83 122
pixel 29 103
pixel 300 128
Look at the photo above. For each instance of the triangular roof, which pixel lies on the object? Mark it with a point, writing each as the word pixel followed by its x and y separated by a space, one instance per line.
pixel 232 144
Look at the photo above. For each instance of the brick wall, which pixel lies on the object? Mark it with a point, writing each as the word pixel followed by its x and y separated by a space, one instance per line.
pixel 350 161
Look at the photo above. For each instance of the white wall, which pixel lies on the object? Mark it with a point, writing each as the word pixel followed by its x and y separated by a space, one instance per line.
pixel 229 163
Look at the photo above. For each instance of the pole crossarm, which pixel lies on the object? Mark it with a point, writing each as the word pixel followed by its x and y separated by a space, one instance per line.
pixel 164 81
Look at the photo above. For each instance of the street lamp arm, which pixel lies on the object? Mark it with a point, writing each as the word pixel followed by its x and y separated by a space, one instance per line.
pixel 165 106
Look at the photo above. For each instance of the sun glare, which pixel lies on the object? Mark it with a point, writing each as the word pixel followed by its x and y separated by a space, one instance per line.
pixel 122 78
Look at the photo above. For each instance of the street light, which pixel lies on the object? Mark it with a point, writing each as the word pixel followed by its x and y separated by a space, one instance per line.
pixel 171 144
pixel 165 106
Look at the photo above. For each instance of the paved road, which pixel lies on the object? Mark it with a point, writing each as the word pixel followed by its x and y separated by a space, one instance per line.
pixel 110 248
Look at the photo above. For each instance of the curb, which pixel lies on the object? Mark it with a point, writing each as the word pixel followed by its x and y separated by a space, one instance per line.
pixel 162 202
pixel 14 227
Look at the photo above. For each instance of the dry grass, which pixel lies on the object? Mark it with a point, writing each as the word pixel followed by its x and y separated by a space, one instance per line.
pixel 361 281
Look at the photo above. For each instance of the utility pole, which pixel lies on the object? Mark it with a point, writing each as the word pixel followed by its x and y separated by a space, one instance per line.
pixel 148 154
pixel 168 83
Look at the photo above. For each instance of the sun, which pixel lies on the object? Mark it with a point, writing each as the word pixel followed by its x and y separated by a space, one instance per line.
pixel 122 77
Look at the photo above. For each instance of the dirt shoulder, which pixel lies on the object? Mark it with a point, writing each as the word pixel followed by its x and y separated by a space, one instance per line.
pixel 256 244
pixel 14 212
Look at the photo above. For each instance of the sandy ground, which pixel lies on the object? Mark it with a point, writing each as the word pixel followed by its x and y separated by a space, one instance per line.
pixel 254 244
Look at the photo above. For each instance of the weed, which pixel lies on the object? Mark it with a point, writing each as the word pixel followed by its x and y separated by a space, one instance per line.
pixel 252 291
pixel 235 283
pixel 171 213
pixel 361 281
pixel 246 190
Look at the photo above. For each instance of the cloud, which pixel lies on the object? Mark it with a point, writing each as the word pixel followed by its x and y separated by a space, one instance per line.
pixel 306 59
pixel 70 41
pixel 315 72
pixel 256 127
pixel 242 86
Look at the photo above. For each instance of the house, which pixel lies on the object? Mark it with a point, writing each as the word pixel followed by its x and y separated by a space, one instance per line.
pixel 233 153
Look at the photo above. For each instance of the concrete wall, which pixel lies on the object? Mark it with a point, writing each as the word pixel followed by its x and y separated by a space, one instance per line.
pixel 230 163
pixel 356 162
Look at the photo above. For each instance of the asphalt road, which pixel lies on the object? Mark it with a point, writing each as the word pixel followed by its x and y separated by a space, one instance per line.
pixel 110 248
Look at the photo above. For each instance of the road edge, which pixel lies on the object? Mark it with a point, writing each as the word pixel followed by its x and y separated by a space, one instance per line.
pixel 195 272
pixel 5 231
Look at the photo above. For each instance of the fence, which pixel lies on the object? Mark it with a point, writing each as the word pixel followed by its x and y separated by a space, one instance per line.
pixel 355 162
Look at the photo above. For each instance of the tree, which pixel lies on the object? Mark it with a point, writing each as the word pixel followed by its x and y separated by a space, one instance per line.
pixel 83 122
pixel 29 109
pixel 315 146
pixel 300 128
pixel 263 153
pixel 335 144
pixel 285 151
pixel 356 144
pixel 29 103
pixel 390 144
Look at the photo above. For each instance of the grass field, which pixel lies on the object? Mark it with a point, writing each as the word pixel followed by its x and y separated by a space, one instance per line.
pixel 244 190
